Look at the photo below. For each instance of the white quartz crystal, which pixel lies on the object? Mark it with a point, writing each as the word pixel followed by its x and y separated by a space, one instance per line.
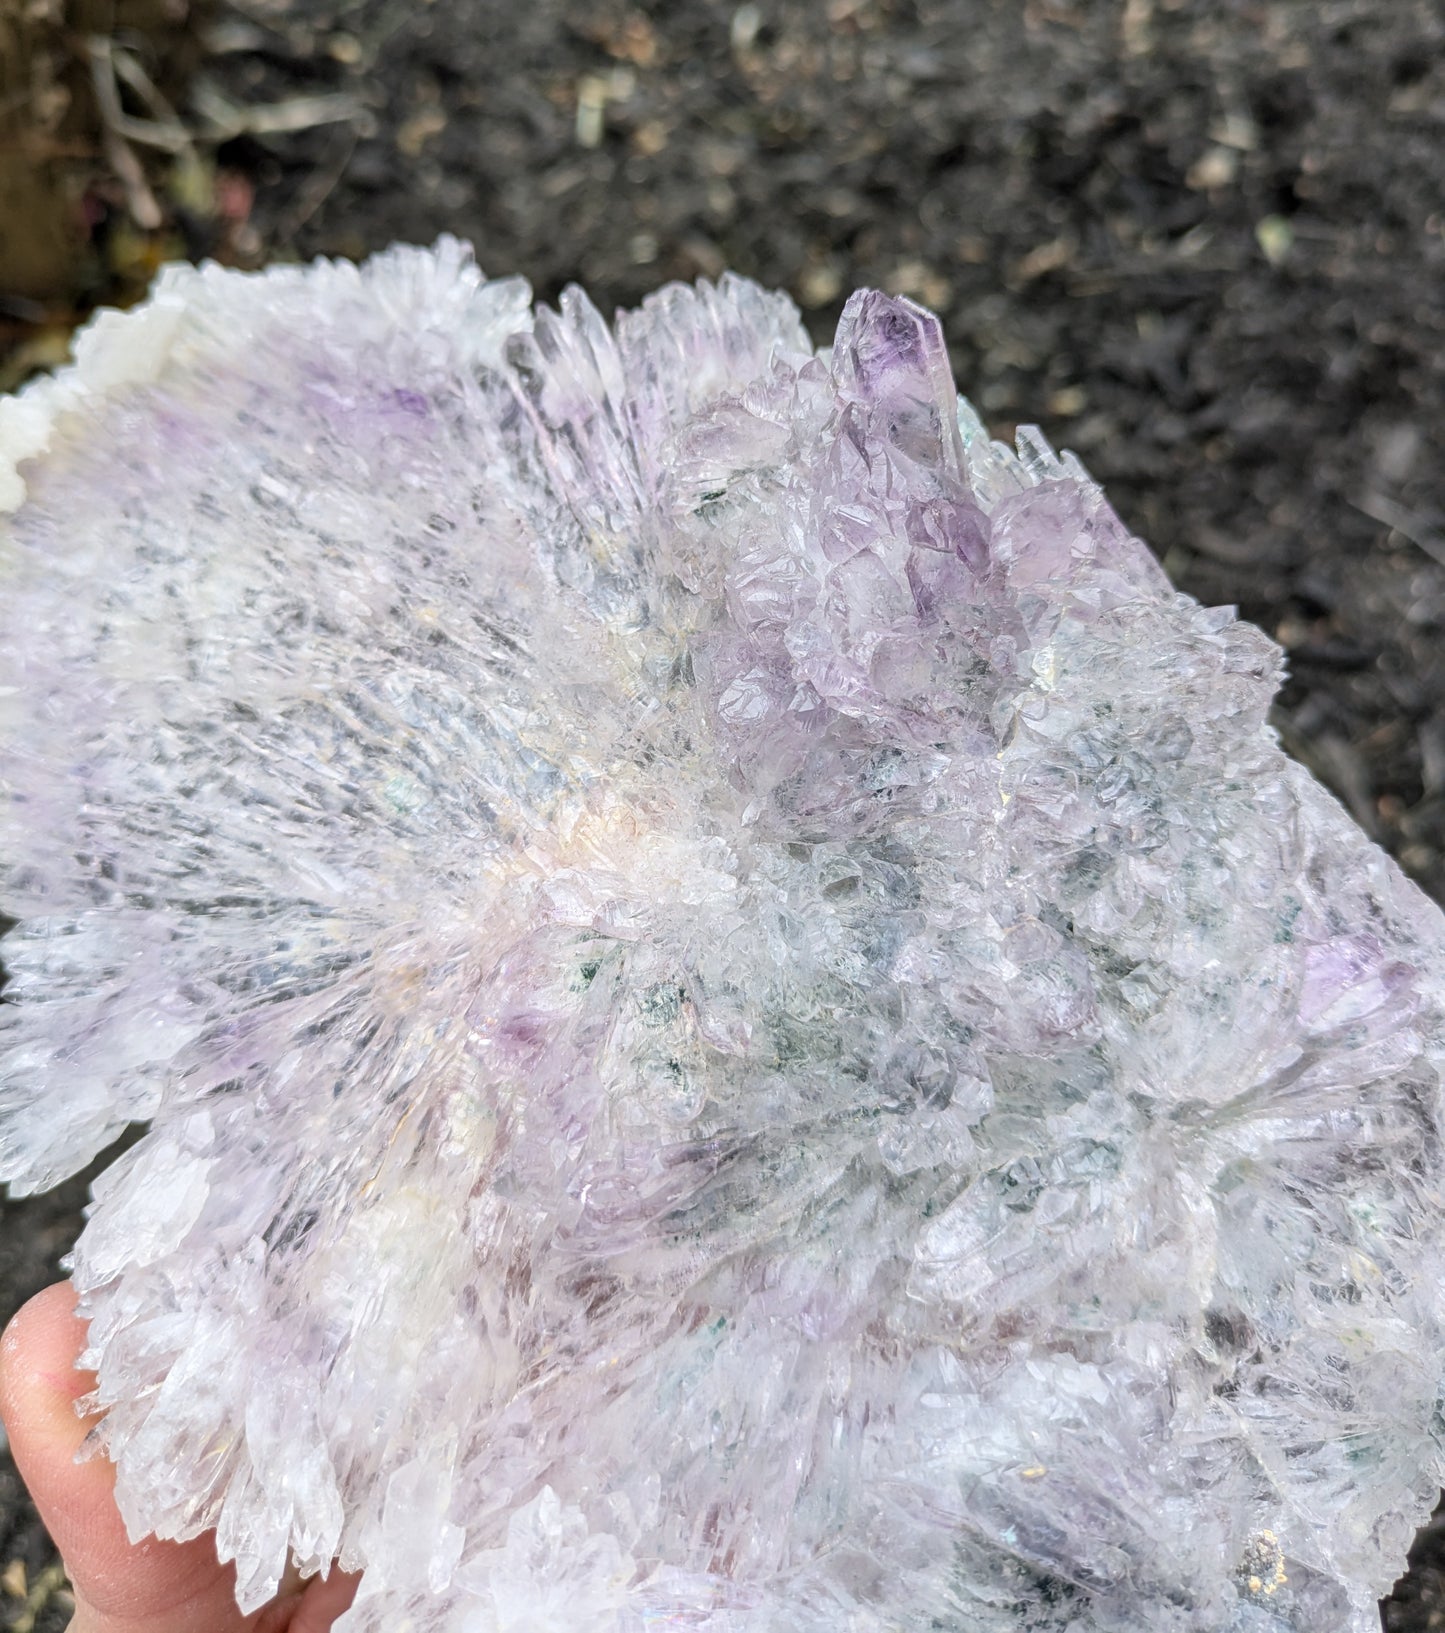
pixel 744 1026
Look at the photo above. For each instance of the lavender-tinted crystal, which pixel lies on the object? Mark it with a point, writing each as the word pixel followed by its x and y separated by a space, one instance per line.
pixel 743 1024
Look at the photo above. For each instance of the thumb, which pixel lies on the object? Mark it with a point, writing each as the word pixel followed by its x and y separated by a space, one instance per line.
pixel 120 1586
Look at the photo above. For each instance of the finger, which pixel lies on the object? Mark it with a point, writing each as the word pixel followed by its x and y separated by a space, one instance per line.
pixel 325 1599
pixel 315 1609
pixel 120 1586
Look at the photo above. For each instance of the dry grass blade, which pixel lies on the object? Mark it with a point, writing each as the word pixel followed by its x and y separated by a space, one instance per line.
pixel 109 64
pixel 140 200
pixel 227 119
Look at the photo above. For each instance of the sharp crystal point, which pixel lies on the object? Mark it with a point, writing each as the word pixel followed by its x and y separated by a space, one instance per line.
pixel 743 1024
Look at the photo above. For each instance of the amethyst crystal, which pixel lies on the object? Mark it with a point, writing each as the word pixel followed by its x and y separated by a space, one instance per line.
pixel 743 1024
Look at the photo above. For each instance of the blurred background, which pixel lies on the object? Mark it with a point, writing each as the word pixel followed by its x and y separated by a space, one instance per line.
pixel 1200 242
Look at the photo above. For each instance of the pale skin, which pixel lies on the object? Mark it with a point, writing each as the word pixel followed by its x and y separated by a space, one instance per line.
pixel 120 1586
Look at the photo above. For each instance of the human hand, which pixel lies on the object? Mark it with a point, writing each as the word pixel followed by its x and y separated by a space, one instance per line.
pixel 120 1586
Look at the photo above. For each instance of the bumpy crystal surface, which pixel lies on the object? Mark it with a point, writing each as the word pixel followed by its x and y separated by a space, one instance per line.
pixel 743 1024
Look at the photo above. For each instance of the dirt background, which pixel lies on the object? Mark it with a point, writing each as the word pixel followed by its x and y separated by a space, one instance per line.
pixel 1201 242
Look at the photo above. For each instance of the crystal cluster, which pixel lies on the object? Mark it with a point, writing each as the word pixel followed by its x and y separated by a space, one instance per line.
pixel 744 1027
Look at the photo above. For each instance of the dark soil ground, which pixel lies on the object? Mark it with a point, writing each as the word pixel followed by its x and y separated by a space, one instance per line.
pixel 1202 242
